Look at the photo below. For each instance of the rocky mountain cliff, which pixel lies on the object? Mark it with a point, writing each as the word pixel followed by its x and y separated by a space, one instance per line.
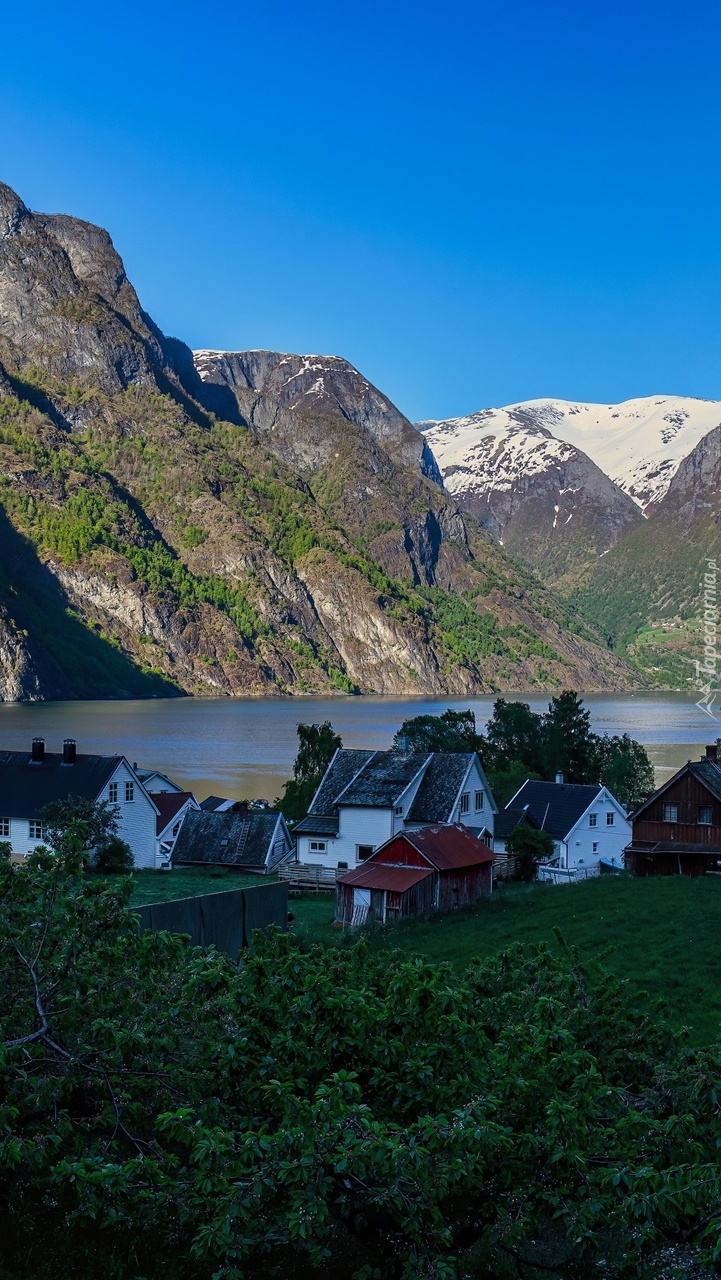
pixel 542 498
pixel 249 523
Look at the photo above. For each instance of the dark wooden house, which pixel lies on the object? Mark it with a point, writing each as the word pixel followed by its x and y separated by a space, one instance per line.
pixel 678 830
pixel 415 873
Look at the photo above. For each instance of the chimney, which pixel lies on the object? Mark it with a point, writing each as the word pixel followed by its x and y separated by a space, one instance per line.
pixel 712 752
pixel 38 750
pixel 559 779
pixel 69 751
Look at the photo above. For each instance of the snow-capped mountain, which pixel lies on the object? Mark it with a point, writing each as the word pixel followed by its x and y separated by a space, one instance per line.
pixel 543 498
pixel 639 444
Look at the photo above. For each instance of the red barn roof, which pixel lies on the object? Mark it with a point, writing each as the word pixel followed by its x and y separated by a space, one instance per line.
pixel 169 803
pixel 447 848
pixel 376 875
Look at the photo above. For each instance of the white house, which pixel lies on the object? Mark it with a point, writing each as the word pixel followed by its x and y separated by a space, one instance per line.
pixel 29 780
pixel 588 824
pixel 366 797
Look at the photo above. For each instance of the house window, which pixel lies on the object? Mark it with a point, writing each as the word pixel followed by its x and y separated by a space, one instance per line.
pixel 593 819
pixel 4 827
pixel 705 815
pixel 318 846
pixel 399 810
pixel 113 793
pixel 594 846
pixel 364 851
pixel 465 802
pixel 129 790
pixel 479 800
pixel 36 830
pixel 610 818
pixel 670 813
pixel 176 828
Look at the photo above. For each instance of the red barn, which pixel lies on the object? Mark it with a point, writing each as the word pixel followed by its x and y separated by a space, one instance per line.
pixel 415 873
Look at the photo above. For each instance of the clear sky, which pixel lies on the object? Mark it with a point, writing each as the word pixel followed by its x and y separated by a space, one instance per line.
pixel 475 203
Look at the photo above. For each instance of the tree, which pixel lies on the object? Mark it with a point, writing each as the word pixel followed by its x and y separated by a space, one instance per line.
pixel 77 824
pixel 530 847
pixel 625 768
pixel 514 736
pixel 345 1112
pixel 569 744
pixel 317 746
pixel 450 731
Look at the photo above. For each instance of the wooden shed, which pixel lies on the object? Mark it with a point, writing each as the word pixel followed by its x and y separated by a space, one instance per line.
pixel 437 868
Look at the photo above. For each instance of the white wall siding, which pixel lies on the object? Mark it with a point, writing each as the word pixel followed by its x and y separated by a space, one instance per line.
pixel 611 840
pixel 136 817
pixel 475 817
pixel 358 825
pixel 20 842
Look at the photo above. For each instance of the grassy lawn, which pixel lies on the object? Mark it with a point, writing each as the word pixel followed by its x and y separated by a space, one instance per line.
pixel 188 882
pixel 661 934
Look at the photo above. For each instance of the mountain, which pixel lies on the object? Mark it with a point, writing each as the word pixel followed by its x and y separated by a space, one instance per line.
pixel 647 594
pixel 544 499
pixel 242 523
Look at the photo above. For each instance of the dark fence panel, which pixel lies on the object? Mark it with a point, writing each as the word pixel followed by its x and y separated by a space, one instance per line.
pixel 224 920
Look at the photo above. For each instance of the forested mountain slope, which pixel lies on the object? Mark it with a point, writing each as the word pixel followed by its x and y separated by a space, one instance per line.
pixel 219 530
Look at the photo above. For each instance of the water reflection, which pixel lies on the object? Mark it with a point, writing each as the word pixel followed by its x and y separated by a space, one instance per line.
pixel 246 747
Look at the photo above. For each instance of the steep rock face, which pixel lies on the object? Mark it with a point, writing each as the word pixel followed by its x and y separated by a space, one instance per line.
pixel 278 529
pixel 67 306
pixel 542 498
pixel 280 394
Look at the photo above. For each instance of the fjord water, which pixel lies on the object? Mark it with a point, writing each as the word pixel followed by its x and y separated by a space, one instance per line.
pixel 245 747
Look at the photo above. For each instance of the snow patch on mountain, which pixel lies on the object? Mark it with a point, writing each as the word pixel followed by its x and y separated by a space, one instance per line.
pixel 639 444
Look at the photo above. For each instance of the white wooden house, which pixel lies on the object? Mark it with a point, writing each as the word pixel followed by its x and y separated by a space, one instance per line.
pixel 366 797
pixel 29 780
pixel 588 825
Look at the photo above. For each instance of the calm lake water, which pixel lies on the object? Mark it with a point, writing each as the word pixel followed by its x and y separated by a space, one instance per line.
pixel 245 748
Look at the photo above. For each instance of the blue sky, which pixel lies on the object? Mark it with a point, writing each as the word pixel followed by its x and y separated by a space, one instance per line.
pixel 474 203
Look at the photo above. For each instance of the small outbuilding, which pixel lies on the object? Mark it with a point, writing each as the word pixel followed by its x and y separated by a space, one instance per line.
pixel 254 842
pixel 415 873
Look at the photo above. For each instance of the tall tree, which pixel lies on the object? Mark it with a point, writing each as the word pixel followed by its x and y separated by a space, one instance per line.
pixel 625 769
pixel 569 743
pixel 514 735
pixel 317 744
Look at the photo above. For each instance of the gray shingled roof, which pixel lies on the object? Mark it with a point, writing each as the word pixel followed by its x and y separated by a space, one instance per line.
pixel 26 787
pixel 436 796
pixel 342 768
pixel 383 779
pixel 317 825
pixel 555 806
pixel 225 839
pixel 709 773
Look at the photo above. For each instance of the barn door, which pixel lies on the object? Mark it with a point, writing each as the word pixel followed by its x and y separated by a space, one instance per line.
pixel 361 905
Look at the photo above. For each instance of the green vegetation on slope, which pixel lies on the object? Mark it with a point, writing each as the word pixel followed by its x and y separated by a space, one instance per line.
pixel 659 933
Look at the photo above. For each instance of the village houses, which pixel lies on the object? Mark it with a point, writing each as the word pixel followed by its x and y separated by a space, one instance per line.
pixel 588 825
pixel 366 797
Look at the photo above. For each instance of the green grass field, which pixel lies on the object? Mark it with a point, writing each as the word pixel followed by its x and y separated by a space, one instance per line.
pixel 663 935
pixel 187 882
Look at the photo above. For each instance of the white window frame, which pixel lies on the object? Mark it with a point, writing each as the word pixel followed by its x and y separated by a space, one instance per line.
pixel 129 792
pixel 4 828
pixel 36 829
pixel 668 811
pixel 113 793
pixel 478 801
pixel 370 847
pixel 594 846
pixel 610 818
pixel 318 846
pixel 465 805
pixel 593 819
